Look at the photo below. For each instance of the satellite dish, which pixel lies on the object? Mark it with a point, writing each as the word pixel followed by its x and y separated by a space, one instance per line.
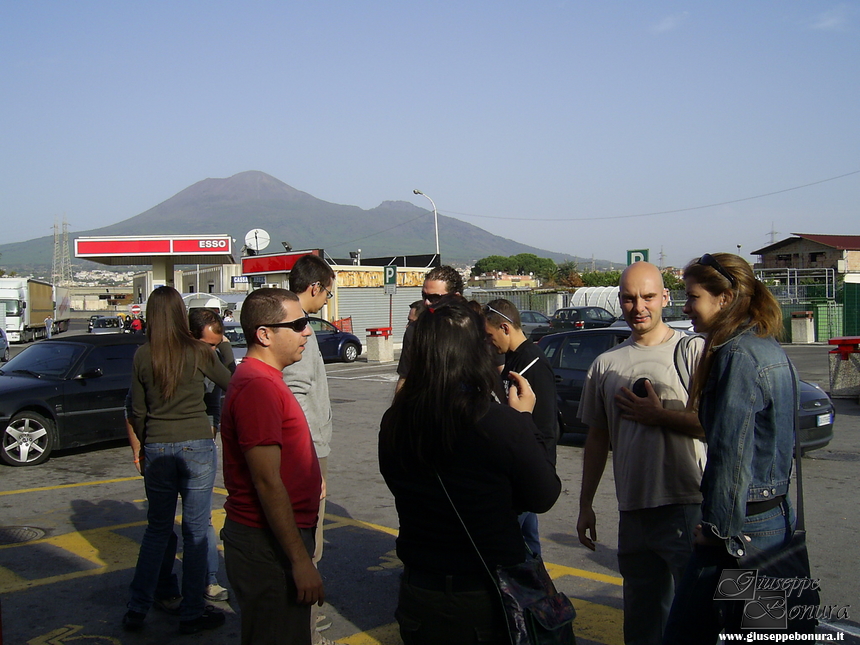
pixel 257 239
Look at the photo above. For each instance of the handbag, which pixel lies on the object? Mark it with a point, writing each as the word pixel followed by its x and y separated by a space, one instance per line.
pixel 791 561
pixel 535 612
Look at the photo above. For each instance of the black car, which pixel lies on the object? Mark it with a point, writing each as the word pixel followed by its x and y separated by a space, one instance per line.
pixel 64 393
pixel 583 317
pixel 571 354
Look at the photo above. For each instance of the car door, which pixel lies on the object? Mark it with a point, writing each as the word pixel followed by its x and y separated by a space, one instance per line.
pixel 571 359
pixel 94 406
pixel 327 337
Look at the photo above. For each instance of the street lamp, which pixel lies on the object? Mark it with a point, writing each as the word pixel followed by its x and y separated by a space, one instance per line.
pixel 435 219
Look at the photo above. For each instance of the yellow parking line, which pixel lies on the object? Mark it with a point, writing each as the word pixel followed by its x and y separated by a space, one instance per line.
pixel 111 552
pixel 46 488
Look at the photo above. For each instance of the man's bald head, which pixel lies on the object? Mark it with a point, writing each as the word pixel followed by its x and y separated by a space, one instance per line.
pixel 639 272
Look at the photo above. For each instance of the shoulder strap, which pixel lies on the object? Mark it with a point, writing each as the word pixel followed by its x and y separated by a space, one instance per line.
pixel 798 453
pixel 684 373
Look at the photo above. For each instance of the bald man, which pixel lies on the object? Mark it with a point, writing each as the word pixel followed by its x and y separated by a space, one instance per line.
pixel 657 453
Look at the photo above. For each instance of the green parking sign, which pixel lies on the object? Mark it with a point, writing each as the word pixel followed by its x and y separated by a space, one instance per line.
pixel 639 255
pixel 390 279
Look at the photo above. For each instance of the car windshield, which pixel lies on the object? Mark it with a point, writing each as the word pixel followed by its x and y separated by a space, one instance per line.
pixel 235 335
pixel 51 359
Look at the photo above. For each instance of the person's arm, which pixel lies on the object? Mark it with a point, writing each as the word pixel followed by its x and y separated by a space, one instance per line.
pixel 534 482
pixel 133 441
pixel 264 463
pixel 593 464
pixel 138 395
pixel 648 410
pixel 216 372
pixel 225 353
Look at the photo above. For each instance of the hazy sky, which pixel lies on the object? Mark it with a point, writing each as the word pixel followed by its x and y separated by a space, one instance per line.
pixel 587 112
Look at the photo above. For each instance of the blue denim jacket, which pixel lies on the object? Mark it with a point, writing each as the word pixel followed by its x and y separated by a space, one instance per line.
pixel 747 411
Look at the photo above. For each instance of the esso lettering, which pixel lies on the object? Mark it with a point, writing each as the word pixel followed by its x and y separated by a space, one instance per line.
pixel 212 244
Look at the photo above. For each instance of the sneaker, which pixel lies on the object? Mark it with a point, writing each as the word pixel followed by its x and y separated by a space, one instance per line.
pixel 133 621
pixel 323 622
pixel 216 593
pixel 209 619
pixel 169 605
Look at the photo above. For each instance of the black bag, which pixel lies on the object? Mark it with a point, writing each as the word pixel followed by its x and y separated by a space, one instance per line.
pixel 791 562
pixel 535 612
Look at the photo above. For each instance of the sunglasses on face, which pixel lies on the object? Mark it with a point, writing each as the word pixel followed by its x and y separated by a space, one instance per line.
pixel 432 298
pixel 298 325
pixel 488 309
pixel 709 260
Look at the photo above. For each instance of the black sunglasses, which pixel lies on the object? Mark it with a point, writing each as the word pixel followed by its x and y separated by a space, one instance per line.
pixel 298 325
pixel 432 298
pixel 709 260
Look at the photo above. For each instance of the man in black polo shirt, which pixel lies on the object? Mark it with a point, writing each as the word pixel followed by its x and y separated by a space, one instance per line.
pixel 502 320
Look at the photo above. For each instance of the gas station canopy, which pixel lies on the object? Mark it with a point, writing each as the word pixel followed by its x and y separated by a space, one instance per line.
pixel 156 249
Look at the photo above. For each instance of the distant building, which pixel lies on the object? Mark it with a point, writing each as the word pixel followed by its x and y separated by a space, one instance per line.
pixel 499 280
pixel 838 252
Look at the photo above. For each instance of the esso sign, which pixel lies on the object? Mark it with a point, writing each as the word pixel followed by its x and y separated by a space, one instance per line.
pixel 213 244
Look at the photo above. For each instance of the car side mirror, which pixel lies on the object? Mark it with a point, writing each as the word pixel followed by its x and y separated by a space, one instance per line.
pixel 95 372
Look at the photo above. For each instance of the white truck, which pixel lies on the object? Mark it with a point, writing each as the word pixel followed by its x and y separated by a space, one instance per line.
pixel 28 304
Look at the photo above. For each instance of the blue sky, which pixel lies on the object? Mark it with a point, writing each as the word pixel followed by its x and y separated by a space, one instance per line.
pixel 587 112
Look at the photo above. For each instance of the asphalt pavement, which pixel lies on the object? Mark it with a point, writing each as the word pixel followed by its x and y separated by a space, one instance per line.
pixel 87 513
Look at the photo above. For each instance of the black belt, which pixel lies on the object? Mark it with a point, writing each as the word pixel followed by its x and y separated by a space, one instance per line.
pixel 441 582
pixel 757 508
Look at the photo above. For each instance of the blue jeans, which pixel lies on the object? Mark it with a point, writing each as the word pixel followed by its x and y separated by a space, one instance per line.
pixel 185 469
pixel 529 527
pixel 696 618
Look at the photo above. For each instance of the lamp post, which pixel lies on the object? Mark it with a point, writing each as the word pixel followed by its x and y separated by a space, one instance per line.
pixel 435 219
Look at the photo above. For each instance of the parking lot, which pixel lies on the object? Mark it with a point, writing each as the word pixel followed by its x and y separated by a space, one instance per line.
pixel 87 514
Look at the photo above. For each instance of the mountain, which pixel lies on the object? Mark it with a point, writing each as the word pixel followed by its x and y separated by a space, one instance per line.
pixel 254 199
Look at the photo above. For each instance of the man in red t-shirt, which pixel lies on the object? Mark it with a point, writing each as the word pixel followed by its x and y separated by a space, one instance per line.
pixel 272 477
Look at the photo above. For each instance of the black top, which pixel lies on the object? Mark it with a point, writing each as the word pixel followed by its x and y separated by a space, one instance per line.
pixel 403 364
pixel 499 470
pixel 540 376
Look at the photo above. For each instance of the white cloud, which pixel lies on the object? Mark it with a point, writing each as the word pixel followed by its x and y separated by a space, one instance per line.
pixel 835 19
pixel 670 23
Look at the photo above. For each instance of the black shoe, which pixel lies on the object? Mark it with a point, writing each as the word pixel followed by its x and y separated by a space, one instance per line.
pixel 133 621
pixel 209 619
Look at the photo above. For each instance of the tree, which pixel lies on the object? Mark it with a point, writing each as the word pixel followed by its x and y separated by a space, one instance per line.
pixel 672 282
pixel 520 264
pixel 567 275
pixel 601 278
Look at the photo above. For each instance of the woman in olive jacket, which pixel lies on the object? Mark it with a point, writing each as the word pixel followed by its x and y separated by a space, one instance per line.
pixel 177 456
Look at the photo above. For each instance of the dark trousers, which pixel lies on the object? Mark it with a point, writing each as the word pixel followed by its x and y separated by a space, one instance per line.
pixel 262 580
pixel 457 610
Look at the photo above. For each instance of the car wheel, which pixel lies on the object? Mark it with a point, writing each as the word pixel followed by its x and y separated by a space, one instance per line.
pixel 6 354
pixel 349 352
pixel 28 439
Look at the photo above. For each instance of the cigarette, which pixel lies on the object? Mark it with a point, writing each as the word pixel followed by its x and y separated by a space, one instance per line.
pixel 523 371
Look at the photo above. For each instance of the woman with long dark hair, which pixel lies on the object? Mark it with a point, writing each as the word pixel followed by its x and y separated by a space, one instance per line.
pixel 745 390
pixel 177 456
pixel 444 428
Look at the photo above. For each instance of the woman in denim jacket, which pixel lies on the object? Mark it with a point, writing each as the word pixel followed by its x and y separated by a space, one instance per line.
pixel 744 389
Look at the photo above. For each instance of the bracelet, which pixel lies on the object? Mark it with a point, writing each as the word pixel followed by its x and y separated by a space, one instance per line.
pixel 137 461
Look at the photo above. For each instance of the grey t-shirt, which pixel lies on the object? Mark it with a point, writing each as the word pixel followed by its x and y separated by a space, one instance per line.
pixel 653 466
